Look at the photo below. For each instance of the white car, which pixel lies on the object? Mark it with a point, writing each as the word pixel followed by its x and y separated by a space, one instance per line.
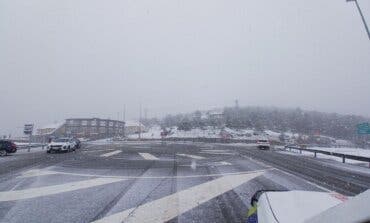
pixel 308 207
pixel 61 145
pixel 263 144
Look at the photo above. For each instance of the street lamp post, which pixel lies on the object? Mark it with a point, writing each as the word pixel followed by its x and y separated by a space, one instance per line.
pixel 362 17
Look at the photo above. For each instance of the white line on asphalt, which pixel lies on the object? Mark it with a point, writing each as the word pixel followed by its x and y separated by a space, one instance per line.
pixel 111 153
pixel 169 207
pixel 130 159
pixel 191 156
pixel 148 156
pixel 309 182
pixel 218 153
pixel 96 150
pixel 216 150
pixel 256 161
pixel 55 189
pixel 223 163
pixel 39 172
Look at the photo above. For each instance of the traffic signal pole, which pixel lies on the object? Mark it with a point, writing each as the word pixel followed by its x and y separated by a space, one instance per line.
pixel 362 17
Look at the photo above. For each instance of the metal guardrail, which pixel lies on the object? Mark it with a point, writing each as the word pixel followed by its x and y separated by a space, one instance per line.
pixel 341 155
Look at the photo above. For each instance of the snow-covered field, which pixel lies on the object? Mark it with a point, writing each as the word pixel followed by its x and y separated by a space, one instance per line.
pixel 207 132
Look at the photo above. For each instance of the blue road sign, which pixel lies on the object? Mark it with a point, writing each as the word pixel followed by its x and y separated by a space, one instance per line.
pixel 363 128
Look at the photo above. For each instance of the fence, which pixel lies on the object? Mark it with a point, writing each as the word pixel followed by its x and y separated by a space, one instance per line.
pixel 341 155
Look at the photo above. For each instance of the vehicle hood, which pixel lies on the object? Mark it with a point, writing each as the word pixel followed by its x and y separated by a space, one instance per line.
pixel 295 206
pixel 58 144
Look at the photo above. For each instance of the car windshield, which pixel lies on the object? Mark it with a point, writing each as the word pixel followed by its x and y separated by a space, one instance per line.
pixel 184 111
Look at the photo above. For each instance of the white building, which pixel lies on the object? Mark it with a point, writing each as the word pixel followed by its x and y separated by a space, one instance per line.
pixel 133 127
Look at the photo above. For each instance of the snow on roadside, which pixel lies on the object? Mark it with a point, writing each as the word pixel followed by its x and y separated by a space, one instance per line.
pixel 152 133
pixel 348 151
pixel 101 141
pixel 206 132
pixel 32 150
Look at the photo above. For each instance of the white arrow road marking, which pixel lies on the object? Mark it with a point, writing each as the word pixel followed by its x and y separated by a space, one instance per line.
pixel 111 153
pixel 169 207
pixel 37 172
pixel 148 156
pixel 191 156
pixel 55 189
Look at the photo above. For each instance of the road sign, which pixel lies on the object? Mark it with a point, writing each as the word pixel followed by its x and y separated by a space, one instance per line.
pixel 28 129
pixel 363 128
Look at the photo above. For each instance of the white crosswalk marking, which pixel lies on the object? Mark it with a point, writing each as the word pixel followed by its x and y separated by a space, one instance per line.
pixel 111 153
pixel 55 189
pixel 191 156
pixel 169 207
pixel 148 156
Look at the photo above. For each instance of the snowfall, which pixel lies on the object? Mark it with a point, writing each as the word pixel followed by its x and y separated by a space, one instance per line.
pixel 249 134
pixel 207 132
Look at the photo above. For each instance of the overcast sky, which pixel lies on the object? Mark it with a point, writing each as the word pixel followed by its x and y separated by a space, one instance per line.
pixel 73 58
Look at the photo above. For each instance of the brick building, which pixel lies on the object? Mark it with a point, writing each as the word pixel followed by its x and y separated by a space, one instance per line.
pixel 94 128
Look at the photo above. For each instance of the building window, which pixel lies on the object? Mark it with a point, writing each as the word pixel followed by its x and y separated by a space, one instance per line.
pixel 94 130
pixel 111 124
pixel 93 122
pixel 102 123
pixel 84 122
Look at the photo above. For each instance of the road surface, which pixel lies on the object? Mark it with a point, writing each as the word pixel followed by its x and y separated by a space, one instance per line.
pixel 157 182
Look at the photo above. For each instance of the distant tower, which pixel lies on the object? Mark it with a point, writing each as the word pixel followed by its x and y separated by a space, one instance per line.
pixel 236 103
pixel 145 113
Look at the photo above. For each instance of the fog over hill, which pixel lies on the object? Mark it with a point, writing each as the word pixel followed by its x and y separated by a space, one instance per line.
pixel 272 118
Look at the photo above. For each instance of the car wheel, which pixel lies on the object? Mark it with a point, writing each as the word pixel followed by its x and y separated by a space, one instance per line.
pixel 2 153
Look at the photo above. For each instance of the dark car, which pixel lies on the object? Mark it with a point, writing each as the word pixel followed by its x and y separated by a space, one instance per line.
pixel 6 147
pixel 78 143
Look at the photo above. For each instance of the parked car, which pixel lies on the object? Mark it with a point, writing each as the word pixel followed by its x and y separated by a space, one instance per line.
pixel 61 145
pixel 77 142
pixel 6 147
pixel 263 144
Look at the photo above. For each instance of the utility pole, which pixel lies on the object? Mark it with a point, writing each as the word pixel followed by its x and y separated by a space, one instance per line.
pixel 140 123
pixel 145 113
pixel 124 113
pixel 362 17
